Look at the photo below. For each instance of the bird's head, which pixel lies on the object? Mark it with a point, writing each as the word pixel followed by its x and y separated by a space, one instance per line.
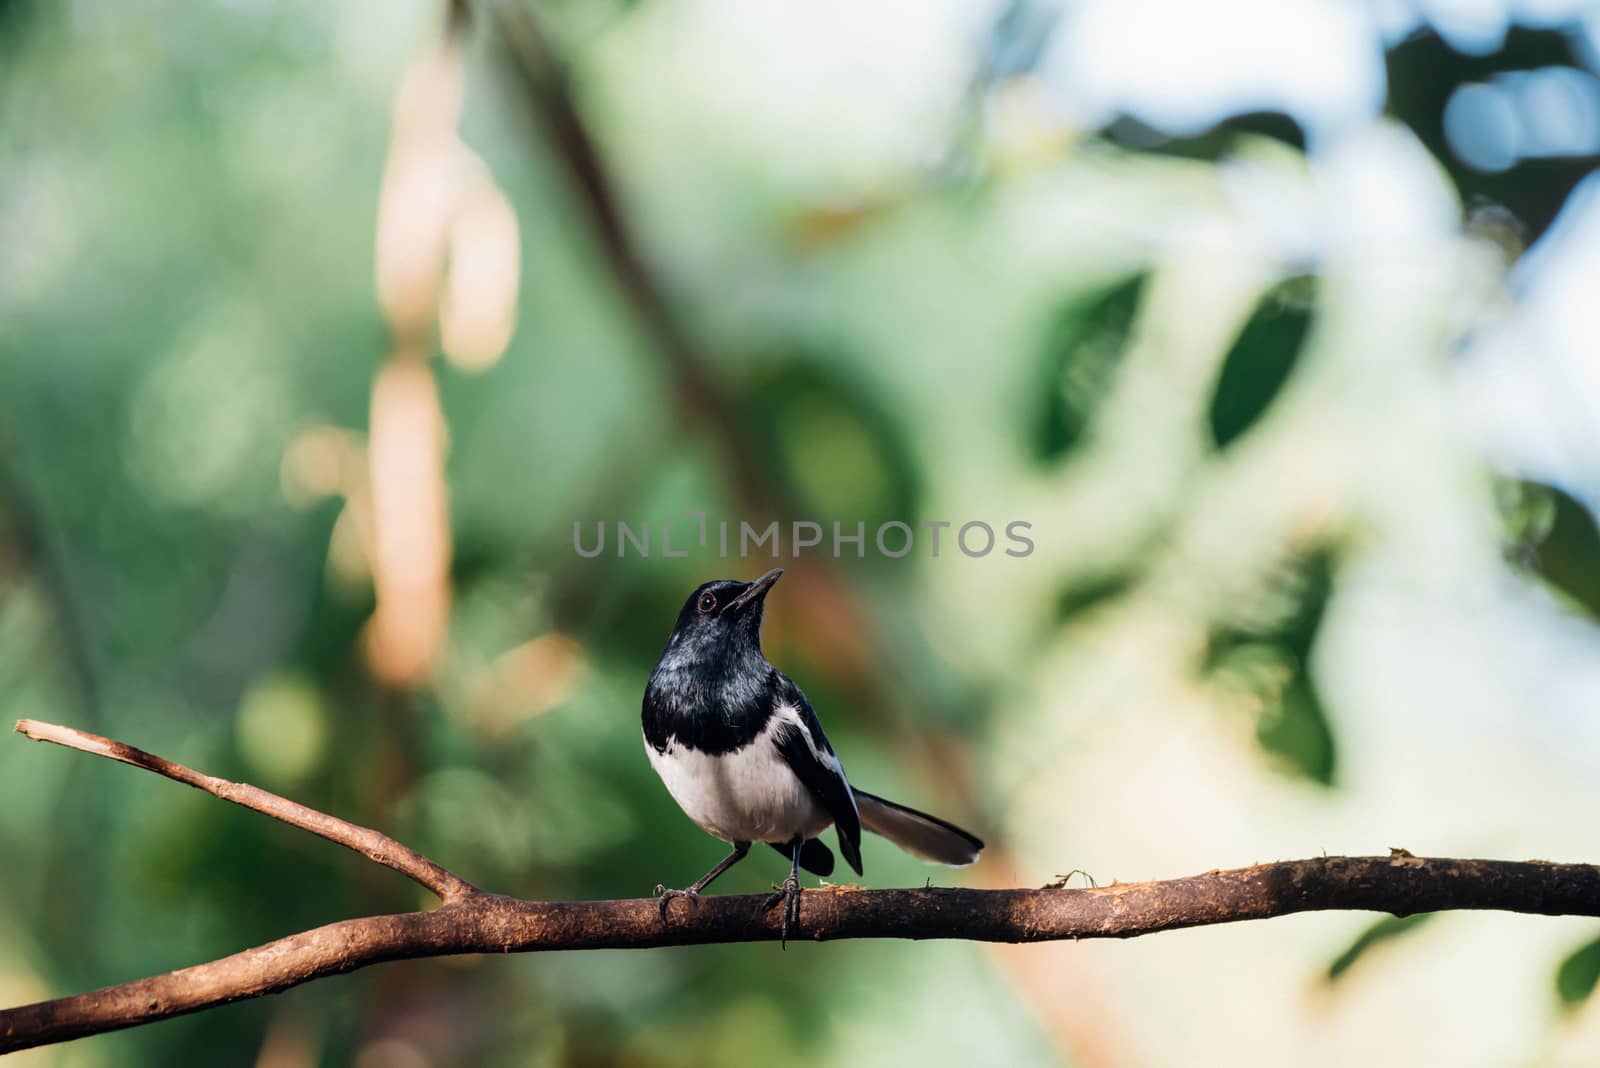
pixel 723 616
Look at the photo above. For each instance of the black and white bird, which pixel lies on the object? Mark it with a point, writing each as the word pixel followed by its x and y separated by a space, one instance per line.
pixel 741 751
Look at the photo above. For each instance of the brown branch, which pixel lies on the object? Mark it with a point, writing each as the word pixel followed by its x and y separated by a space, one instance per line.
pixel 369 843
pixel 489 923
pixel 472 921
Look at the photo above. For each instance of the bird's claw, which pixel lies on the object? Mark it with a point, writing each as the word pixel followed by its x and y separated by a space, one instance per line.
pixel 664 896
pixel 789 894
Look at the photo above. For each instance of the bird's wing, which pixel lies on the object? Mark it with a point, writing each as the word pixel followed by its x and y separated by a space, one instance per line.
pixel 799 737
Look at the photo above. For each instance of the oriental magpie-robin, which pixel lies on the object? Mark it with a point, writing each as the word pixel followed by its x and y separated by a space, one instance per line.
pixel 741 751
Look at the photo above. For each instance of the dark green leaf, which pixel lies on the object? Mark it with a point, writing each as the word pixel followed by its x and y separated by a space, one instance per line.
pixel 1385 930
pixel 1090 592
pixel 1528 512
pixel 1268 657
pixel 1262 357
pixel 1292 617
pixel 1213 145
pixel 1082 350
pixel 1295 729
pixel 1576 978
pixel 1554 536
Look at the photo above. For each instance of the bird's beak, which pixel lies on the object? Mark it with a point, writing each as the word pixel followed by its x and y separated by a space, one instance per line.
pixel 756 591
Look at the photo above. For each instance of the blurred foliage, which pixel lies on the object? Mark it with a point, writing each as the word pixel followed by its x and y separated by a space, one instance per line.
pixel 815 423
pixel 1078 364
pixel 986 314
pixel 1553 536
pixel 1262 358
pixel 1381 932
pixel 1090 592
pixel 1578 974
pixel 1423 71
pixel 1270 660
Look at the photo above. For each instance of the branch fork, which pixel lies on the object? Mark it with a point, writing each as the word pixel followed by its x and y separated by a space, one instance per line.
pixel 470 920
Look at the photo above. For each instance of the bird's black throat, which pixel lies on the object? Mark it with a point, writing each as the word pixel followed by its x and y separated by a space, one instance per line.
pixel 714 714
pixel 712 689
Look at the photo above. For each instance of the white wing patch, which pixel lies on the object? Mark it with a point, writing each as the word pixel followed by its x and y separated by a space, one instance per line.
pixel 788 714
pixel 791 715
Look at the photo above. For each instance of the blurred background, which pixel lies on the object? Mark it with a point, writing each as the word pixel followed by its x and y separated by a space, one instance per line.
pixel 322 325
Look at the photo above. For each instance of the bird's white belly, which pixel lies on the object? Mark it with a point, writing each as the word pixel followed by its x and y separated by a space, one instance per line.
pixel 749 795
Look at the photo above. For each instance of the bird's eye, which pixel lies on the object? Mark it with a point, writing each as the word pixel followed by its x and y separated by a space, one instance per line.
pixel 708 601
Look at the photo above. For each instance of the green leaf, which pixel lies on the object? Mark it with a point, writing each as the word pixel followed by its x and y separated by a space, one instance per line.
pixel 1527 512
pixel 1268 658
pixel 1083 348
pixel 1384 930
pixel 1290 617
pixel 1554 536
pixel 1577 975
pixel 1262 358
pixel 1090 592
pixel 1295 730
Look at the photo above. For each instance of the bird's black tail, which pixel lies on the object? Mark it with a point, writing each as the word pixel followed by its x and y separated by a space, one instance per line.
pixel 923 836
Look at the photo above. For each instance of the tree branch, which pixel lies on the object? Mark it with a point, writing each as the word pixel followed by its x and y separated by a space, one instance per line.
pixel 473 921
pixel 369 843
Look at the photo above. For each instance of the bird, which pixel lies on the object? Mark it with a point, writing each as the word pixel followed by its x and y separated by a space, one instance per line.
pixel 741 751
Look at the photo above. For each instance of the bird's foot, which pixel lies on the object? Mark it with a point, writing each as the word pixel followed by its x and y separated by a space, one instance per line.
pixel 664 896
pixel 789 895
